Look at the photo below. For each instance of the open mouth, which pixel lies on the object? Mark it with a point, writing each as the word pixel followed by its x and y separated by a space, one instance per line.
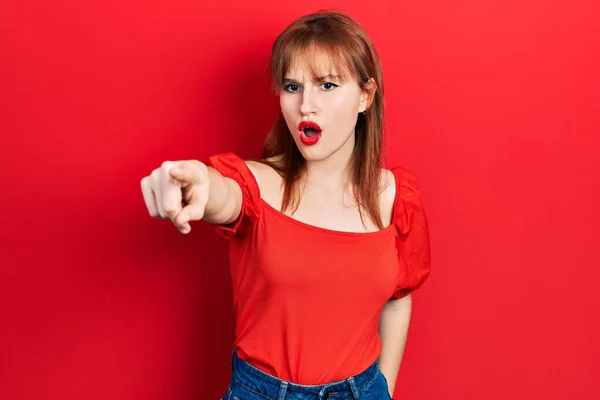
pixel 310 132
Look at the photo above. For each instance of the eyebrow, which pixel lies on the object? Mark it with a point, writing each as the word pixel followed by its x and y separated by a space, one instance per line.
pixel 318 79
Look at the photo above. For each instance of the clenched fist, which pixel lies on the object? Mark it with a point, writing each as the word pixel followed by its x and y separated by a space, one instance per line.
pixel 177 190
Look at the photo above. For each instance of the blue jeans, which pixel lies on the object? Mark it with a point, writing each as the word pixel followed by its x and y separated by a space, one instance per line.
pixel 250 383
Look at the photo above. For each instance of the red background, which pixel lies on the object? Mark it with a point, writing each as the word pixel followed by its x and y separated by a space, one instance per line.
pixel 494 105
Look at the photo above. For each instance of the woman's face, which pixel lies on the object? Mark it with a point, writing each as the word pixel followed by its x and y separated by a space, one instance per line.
pixel 329 101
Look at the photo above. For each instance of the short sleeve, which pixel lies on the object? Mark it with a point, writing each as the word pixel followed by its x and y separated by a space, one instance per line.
pixel 233 167
pixel 412 239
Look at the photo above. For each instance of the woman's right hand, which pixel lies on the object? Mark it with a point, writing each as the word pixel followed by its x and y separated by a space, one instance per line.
pixel 177 190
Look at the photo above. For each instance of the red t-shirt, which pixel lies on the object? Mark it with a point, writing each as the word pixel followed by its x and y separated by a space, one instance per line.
pixel 307 300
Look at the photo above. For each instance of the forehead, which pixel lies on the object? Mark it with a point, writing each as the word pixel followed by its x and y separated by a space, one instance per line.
pixel 313 63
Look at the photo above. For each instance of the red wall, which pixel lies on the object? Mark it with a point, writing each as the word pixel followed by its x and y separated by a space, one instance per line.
pixel 494 105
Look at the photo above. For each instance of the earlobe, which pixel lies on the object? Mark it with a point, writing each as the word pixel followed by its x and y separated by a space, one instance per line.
pixel 368 94
pixel 363 105
pixel 363 108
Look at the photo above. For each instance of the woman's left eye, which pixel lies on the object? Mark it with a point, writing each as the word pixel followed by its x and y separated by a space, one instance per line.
pixel 329 85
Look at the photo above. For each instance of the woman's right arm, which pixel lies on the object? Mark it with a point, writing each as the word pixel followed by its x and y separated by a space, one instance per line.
pixel 185 191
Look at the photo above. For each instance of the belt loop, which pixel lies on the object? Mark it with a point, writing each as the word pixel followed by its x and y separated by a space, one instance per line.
pixel 282 390
pixel 353 388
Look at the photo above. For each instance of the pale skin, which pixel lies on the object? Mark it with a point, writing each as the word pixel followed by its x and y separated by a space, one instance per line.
pixel 326 201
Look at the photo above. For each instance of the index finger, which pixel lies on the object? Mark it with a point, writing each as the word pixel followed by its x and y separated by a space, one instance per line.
pixel 186 173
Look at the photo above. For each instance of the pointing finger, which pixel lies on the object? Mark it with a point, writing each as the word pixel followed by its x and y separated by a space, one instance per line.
pixel 149 199
pixel 168 196
pixel 187 173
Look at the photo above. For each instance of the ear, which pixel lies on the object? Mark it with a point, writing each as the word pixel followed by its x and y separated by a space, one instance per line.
pixel 367 95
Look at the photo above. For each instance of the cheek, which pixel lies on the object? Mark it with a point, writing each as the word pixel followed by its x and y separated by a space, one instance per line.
pixel 343 110
pixel 288 106
pixel 344 104
pixel 289 111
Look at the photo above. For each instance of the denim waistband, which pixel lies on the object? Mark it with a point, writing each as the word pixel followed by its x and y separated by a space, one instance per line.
pixel 272 387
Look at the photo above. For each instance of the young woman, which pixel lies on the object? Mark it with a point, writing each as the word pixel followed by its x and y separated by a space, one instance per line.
pixel 325 244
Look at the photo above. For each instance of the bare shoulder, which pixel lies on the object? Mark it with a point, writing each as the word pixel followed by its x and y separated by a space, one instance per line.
pixel 262 171
pixel 267 178
pixel 388 194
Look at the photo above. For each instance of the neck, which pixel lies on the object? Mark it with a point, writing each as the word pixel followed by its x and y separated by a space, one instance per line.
pixel 332 172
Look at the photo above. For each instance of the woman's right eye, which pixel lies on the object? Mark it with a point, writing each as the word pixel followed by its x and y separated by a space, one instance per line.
pixel 291 87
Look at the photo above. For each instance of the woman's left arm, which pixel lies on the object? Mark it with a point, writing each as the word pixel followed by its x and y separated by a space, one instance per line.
pixel 393 329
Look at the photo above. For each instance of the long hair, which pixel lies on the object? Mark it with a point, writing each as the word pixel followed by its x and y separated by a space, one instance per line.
pixel 351 50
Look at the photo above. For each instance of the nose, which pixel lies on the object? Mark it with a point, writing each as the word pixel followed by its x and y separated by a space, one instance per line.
pixel 308 101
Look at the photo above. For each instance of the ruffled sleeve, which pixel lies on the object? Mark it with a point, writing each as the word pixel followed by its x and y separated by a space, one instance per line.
pixel 232 166
pixel 412 239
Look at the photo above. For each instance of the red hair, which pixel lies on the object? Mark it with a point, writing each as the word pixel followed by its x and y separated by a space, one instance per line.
pixel 354 57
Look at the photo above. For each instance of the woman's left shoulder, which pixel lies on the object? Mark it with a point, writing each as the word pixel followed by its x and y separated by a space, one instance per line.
pixel 387 196
pixel 402 179
pixel 396 183
pixel 387 182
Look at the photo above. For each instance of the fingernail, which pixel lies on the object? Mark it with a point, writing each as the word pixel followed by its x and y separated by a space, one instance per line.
pixel 185 230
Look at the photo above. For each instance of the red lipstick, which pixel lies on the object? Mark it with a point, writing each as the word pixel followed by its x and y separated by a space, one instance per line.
pixel 310 132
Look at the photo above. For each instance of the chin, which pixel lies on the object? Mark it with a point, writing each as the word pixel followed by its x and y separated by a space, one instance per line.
pixel 313 154
pixel 321 150
pixel 317 152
